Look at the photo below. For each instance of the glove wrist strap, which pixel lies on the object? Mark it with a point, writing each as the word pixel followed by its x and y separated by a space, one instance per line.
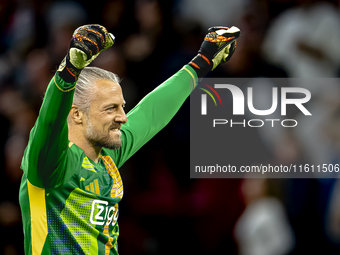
pixel 201 64
pixel 67 71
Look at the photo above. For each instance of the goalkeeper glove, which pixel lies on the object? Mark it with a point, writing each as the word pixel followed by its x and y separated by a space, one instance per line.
pixel 86 44
pixel 218 46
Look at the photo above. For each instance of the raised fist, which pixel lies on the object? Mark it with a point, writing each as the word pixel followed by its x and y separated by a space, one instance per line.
pixel 218 46
pixel 86 44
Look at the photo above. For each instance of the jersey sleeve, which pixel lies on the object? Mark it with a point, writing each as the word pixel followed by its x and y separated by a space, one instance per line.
pixel 45 157
pixel 154 112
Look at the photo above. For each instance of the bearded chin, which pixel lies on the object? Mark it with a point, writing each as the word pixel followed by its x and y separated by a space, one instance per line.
pixel 113 145
pixel 105 143
pixel 96 141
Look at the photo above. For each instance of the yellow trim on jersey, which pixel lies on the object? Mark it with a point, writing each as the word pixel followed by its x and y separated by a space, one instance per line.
pixel 108 245
pixel 39 228
pixel 116 191
pixel 117 187
pixel 193 77
pixel 87 165
pixel 189 72
pixel 62 90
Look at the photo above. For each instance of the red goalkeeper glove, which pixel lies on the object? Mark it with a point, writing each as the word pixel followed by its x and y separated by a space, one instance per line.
pixel 218 46
pixel 86 44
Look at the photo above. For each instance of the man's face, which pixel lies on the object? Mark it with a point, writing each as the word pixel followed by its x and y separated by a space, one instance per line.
pixel 105 116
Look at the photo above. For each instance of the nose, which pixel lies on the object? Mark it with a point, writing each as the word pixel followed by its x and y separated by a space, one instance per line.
pixel 121 116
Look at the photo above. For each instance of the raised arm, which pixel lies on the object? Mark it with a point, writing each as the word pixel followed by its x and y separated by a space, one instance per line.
pixel 156 109
pixel 47 151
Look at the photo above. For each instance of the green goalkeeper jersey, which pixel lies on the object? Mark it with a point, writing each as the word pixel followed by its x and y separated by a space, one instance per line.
pixel 69 203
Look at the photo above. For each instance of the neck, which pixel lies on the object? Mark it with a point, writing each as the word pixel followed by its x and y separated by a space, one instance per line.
pixel 90 150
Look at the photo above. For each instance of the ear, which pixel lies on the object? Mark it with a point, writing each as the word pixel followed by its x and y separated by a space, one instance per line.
pixel 76 114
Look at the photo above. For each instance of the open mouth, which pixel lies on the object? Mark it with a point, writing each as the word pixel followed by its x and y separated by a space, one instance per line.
pixel 115 129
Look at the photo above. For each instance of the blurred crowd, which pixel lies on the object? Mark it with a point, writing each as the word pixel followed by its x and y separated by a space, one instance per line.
pixel 164 211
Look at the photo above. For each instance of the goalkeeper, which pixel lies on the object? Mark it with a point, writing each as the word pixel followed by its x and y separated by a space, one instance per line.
pixel 71 185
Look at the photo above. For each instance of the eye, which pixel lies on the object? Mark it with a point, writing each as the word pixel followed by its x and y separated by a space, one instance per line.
pixel 114 107
pixel 111 108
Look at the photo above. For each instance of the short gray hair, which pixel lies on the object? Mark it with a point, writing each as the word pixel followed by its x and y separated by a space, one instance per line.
pixel 84 88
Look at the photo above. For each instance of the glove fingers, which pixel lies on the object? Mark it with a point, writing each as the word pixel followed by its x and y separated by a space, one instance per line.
pixel 85 44
pixel 111 40
pixel 219 38
pixel 213 29
pixel 218 46
pixel 225 31
pixel 107 38
pixel 92 39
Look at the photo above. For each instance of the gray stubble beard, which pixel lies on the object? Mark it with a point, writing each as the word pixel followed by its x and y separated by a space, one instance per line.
pixel 94 139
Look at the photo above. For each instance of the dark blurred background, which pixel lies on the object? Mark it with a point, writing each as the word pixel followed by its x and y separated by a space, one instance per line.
pixel 164 211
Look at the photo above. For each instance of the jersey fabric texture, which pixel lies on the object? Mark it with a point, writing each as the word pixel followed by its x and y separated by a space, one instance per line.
pixel 69 203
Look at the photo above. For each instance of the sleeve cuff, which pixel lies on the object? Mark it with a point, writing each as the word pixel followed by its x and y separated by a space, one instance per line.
pixel 63 85
pixel 193 75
